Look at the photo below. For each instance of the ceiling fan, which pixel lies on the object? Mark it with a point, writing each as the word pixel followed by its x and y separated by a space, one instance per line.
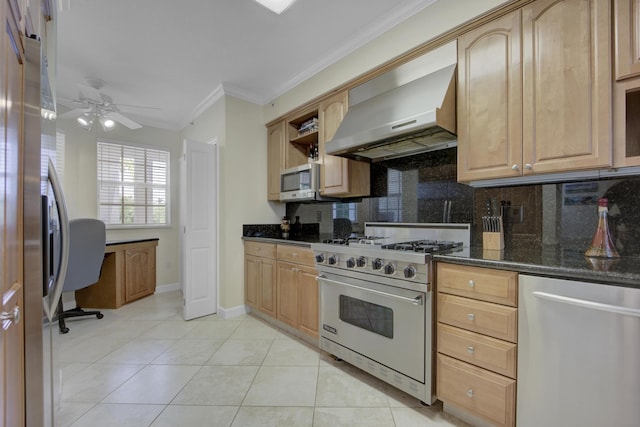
pixel 92 106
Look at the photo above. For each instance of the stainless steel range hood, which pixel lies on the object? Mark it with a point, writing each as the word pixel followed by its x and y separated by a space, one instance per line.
pixel 412 118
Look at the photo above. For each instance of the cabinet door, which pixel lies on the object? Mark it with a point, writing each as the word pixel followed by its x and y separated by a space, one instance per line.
pixel 335 170
pixel 339 176
pixel 288 293
pixel 251 280
pixel 267 286
pixel 627 38
pixel 140 273
pixel 490 100
pixel 567 85
pixel 308 300
pixel 275 158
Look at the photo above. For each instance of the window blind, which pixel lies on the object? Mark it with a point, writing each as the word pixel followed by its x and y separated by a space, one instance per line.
pixel 133 185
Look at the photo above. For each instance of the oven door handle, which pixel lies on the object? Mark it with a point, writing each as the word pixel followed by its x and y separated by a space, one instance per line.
pixel 415 301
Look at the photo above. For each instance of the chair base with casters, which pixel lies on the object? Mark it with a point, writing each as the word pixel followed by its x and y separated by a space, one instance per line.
pixel 75 312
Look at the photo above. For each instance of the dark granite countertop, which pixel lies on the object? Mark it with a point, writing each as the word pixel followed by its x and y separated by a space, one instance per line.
pixel 553 262
pixel 550 261
pixel 123 241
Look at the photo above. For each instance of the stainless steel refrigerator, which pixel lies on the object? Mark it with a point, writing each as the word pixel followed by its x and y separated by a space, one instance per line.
pixel 45 241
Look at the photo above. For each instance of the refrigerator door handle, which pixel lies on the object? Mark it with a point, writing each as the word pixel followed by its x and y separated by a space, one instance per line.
pixel 617 309
pixel 56 293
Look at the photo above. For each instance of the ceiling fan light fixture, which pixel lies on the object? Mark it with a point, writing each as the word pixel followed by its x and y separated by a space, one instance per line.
pixel 276 6
pixel 107 124
pixel 85 121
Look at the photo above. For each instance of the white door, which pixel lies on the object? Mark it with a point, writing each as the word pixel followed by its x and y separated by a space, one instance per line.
pixel 199 221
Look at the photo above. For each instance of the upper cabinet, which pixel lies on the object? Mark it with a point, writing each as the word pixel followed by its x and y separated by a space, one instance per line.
pixel 490 100
pixel 339 176
pixel 627 38
pixel 300 138
pixel 275 158
pixel 564 121
pixel 626 96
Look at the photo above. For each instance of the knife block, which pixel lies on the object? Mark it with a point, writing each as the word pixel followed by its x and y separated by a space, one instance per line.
pixel 494 240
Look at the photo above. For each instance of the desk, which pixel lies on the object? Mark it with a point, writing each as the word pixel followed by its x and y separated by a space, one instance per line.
pixel 128 273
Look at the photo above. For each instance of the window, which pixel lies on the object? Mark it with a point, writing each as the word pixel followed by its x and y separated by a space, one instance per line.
pixel 345 210
pixel 390 207
pixel 133 185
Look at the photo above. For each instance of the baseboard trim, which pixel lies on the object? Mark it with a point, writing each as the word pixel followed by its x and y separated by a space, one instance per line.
pixel 229 313
pixel 168 288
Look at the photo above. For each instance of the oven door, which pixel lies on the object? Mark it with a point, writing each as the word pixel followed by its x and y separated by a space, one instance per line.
pixel 384 323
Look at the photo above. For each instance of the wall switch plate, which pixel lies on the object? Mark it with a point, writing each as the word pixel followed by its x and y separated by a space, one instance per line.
pixel 318 216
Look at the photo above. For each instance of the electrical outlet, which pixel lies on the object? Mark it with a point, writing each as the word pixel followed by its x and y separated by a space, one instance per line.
pixel 318 216
pixel 514 214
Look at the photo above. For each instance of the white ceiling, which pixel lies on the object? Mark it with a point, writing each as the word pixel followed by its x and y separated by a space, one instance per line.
pixel 179 55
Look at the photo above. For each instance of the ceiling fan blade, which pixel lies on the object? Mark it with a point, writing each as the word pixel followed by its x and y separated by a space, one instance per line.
pixel 125 106
pixel 71 103
pixel 124 120
pixel 74 113
pixel 88 92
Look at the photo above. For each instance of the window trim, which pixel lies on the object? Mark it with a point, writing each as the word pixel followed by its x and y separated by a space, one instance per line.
pixel 145 147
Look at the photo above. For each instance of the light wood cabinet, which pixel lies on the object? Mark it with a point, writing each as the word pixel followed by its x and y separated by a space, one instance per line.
pixel 478 391
pixel 260 276
pixel 626 95
pixel 476 340
pixel 627 38
pixel 275 158
pixel 490 100
pixel 297 289
pixel 565 121
pixel 339 176
pixel 280 281
pixel 128 274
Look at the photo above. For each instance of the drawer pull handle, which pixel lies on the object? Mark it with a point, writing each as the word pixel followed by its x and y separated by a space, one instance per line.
pixel 471 283
pixel 471 316
pixel 470 349
pixel 470 392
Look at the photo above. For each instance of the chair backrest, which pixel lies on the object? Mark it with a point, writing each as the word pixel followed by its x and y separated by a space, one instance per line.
pixel 87 241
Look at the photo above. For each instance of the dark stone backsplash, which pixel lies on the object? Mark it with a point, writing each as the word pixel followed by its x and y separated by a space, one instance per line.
pixel 415 189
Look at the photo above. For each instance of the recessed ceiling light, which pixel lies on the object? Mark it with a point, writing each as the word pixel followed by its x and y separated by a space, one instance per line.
pixel 276 6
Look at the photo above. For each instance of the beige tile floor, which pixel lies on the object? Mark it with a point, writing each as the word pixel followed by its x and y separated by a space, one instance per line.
pixel 142 365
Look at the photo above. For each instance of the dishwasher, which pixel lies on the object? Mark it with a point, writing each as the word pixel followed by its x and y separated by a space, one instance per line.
pixel 578 354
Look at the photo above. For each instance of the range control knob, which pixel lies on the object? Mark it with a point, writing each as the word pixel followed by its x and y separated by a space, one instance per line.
pixel 351 262
pixel 332 260
pixel 361 262
pixel 376 264
pixel 389 269
pixel 320 258
pixel 409 272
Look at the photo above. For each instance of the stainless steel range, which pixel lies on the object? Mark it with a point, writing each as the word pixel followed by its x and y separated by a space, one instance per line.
pixel 376 300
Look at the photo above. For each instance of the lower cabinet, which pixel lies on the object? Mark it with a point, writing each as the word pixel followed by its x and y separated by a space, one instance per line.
pixel 476 336
pixel 283 284
pixel 260 276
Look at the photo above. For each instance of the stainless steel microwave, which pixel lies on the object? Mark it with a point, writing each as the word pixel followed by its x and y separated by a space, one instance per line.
pixel 300 183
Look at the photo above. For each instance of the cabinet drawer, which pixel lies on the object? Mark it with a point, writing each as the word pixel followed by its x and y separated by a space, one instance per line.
pixel 482 393
pixel 265 250
pixel 486 352
pixel 486 318
pixel 485 284
pixel 296 254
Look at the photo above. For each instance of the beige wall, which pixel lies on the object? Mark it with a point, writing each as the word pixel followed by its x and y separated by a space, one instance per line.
pixel 81 183
pixel 419 29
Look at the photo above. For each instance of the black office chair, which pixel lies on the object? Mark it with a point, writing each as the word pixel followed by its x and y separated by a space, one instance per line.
pixel 87 239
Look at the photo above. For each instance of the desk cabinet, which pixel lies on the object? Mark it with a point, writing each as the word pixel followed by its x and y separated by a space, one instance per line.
pixel 128 274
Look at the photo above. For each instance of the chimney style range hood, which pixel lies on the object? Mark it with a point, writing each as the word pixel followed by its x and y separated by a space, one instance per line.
pixel 413 116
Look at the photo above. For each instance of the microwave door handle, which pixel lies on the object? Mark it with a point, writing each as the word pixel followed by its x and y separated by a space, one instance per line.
pixel 64 241
pixel 415 301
